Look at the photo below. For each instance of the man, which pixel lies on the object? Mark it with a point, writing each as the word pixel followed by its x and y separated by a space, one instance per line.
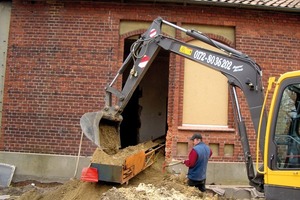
pixel 197 162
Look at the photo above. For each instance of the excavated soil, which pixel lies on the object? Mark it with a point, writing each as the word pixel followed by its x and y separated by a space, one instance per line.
pixel 100 156
pixel 151 184
pixel 109 138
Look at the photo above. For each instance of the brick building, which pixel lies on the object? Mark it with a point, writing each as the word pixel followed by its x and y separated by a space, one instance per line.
pixel 60 55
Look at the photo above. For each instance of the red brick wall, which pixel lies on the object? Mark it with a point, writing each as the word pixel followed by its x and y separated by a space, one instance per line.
pixel 62 55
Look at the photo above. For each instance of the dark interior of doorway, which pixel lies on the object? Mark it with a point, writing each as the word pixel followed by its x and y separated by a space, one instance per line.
pixel 131 123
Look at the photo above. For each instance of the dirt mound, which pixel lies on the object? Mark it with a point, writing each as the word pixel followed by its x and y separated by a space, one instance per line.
pixel 151 183
pixel 149 192
pixel 100 156
pixel 78 190
pixel 73 189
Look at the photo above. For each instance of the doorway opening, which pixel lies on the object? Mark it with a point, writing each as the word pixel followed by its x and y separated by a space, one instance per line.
pixel 145 115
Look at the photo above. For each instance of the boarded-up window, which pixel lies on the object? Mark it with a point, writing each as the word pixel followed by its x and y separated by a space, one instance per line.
pixel 205 100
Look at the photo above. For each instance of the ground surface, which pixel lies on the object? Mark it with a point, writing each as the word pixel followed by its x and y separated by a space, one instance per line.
pixel 152 183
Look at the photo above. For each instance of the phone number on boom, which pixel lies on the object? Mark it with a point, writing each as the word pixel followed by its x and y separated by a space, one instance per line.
pixel 213 60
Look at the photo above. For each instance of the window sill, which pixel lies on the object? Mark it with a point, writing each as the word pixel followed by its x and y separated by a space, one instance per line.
pixel 206 128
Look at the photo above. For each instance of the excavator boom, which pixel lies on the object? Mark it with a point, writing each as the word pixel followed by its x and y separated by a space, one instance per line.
pixel 241 71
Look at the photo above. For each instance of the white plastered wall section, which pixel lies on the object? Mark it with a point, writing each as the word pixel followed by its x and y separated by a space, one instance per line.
pixel 5 12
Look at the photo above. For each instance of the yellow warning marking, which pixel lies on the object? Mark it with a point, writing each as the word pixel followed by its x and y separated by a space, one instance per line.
pixel 185 50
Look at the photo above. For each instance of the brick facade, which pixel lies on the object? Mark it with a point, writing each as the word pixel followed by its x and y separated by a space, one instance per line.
pixel 61 55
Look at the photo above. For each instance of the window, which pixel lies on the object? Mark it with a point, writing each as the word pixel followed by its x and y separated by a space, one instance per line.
pixel 287 129
pixel 205 98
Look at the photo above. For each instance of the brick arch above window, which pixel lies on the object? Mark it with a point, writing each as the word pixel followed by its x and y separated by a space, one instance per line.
pixel 218 38
pixel 132 34
pixel 215 37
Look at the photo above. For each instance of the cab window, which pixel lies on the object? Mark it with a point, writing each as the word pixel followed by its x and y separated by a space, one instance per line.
pixel 287 129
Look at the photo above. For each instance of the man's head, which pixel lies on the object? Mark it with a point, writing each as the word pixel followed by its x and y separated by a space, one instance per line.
pixel 196 138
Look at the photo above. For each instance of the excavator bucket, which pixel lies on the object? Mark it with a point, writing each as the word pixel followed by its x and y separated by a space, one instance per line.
pixel 89 123
pixel 102 130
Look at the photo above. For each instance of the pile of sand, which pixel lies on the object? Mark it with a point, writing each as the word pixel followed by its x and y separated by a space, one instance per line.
pixel 150 192
pixel 151 184
pixel 100 156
